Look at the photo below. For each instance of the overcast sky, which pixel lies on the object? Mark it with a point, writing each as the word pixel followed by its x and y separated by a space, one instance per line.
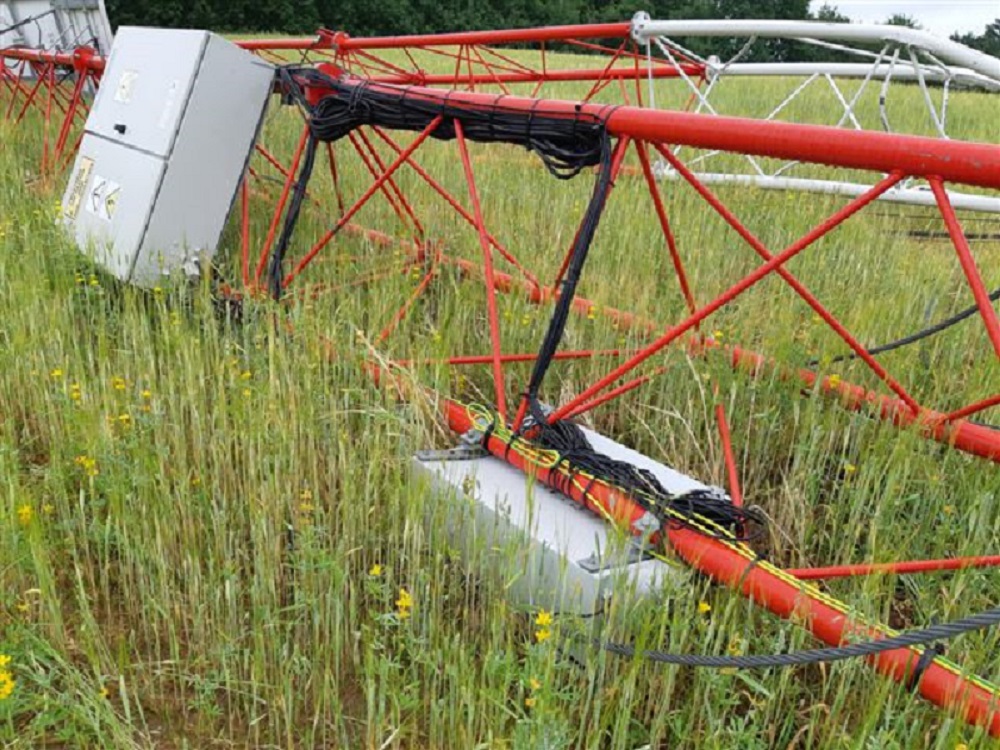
pixel 942 18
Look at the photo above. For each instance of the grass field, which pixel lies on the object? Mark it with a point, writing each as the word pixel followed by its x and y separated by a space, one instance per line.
pixel 209 536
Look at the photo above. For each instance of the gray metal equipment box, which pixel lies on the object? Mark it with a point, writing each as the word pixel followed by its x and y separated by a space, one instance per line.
pixel 165 147
pixel 550 551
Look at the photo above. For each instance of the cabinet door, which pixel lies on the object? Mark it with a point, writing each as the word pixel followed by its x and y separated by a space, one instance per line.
pixel 108 201
pixel 146 87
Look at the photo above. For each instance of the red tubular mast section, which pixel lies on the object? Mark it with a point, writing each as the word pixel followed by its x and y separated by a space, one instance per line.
pixel 914 156
pixel 344 42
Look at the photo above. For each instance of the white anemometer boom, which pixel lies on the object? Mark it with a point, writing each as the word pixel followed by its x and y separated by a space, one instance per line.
pixel 885 54
pixel 952 53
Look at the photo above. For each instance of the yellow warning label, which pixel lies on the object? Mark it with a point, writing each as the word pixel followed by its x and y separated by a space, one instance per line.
pixel 72 207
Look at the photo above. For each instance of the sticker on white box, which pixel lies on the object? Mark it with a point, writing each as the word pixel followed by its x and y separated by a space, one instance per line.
pixel 103 198
pixel 126 84
pixel 72 207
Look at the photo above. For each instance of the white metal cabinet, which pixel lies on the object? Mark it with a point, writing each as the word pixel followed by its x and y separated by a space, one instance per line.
pixel 165 147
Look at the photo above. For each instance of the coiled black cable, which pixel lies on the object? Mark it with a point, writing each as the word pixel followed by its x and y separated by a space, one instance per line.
pixel 691 509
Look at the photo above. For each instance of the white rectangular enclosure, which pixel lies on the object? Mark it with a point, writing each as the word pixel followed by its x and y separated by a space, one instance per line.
pixel 165 147
pixel 555 554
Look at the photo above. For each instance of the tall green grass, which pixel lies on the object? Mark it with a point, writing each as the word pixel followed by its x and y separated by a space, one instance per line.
pixel 205 526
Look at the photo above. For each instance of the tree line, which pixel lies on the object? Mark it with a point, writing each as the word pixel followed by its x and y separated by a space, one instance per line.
pixel 366 18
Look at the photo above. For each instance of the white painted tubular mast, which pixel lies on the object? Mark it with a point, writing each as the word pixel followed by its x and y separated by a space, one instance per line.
pixel 884 54
pixel 55 25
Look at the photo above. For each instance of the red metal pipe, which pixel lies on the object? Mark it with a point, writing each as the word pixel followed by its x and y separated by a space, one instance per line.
pixel 735 491
pixel 343 42
pixel 668 235
pixel 908 566
pixel 420 78
pixel 60 59
pixel 982 297
pixel 487 359
pixel 968 411
pixel 487 249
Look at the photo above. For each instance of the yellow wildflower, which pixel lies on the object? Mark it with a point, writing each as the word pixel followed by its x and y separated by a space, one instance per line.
pixel 4 660
pixel 24 514
pixel 147 394
pixel 118 383
pixel 534 684
pixel 103 692
pixel 56 374
pixel 404 604
pixel 850 468
pixel 704 608
pixel 544 619
pixel 543 635
pixel 375 570
pixel 88 464
pixel 529 702
pixel 7 684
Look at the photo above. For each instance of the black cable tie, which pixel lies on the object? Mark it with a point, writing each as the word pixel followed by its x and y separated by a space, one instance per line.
pixel 488 433
pixel 926 659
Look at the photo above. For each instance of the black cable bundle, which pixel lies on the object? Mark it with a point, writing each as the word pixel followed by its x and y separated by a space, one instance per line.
pixel 569 441
pixel 566 144
pixel 275 273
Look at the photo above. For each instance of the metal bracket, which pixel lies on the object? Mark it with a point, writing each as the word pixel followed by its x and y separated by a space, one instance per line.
pixel 636 551
pixel 470 447
pixel 529 419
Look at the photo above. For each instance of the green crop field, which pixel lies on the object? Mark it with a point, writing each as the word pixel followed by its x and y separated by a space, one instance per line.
pixel 210 537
